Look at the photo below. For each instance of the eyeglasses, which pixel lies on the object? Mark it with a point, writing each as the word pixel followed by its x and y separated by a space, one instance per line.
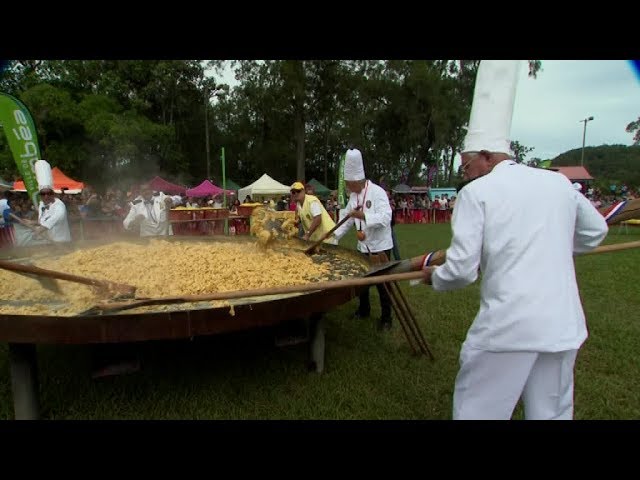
pixel 463 167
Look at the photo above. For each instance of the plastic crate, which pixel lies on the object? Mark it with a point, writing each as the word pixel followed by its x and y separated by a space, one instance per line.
pixel 180 215
pixel 245 211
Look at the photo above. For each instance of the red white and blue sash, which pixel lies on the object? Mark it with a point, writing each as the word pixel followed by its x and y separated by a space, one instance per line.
pixel 613 210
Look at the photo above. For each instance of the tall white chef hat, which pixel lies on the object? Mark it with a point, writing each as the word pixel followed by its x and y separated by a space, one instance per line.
pixel 353 166
pixel 44 176
pixel 492 108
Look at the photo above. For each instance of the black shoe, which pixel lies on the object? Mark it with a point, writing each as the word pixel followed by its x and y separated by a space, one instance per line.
pixel 384 324
pixel 359 314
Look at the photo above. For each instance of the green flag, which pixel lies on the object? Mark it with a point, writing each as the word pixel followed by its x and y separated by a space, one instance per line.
pixel 21 133
pixel 544 164
pixel 342 202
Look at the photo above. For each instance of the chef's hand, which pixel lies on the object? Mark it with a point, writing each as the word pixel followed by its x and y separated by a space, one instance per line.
pixel 359 214
pixel 427 273
pixel 305 237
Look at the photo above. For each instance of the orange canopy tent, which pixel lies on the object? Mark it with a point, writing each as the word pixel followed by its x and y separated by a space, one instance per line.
pixel 60 181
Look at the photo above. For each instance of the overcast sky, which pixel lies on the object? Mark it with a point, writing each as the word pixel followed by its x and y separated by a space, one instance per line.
pixel 548 109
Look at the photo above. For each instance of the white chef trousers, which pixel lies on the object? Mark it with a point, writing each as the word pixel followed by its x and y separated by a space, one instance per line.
pixel 489 384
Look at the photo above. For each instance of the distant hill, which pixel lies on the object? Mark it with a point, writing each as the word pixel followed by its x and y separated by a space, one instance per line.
pixel 606 163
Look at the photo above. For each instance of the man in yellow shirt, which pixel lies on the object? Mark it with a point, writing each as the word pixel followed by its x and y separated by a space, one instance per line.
pixel 314 218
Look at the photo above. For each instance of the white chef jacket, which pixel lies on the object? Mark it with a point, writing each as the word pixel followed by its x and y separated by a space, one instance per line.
pixel 54 218
pixel 521 226
pixel 4 205
pixel 377 223
pixel 156 215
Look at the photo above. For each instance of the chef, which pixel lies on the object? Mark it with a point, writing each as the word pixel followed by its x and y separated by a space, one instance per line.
pixel 530 324
pixel 52 222
pixel 371 214
pixel 150 213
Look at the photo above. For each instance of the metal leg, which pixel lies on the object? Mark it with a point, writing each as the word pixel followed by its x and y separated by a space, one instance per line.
pixel 24 381
pixel 316 345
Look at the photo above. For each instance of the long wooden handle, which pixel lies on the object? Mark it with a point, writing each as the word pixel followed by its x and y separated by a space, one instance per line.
pixel 259 292
pixel 439 256
pixel 329 233
pixel 30 227
pixel 33 270
pixel 613 248
pixel 20 220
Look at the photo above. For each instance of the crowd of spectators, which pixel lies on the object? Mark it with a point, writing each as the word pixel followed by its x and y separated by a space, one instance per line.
pixel 114 203
pixel 419 208
pixel 605 198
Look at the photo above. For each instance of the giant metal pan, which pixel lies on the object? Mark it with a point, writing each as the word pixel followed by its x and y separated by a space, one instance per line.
pixel 180 321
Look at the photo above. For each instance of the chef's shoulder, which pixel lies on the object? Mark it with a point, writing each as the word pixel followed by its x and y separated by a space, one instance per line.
pixel 377 190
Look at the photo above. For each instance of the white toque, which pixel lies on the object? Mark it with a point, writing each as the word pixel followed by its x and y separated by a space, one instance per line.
pixel 353 166
pixel 44 176
pixel 492 109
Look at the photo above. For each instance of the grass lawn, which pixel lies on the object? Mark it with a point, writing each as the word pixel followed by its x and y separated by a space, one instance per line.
pixel 368 374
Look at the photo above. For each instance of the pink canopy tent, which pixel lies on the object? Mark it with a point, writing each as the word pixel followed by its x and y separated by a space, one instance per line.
pixel 207 188
pixel 161 185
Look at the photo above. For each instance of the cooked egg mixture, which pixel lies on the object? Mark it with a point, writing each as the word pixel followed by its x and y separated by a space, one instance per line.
pixel 268 226
pixel 161 268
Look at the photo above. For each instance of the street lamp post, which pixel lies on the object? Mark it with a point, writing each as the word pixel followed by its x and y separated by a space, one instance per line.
pixel 584 135
pixel 208 95
pixel 206 131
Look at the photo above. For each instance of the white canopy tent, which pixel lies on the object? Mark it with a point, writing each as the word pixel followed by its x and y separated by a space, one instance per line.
pixel 264 186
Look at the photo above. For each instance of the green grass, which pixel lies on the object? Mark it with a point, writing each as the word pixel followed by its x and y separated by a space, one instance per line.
pixel 368 375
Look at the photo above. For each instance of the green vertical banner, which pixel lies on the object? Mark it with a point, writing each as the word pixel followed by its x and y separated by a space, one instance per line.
pixel 21 133
pixel 342 201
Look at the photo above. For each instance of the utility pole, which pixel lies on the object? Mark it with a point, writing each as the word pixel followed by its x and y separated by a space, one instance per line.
pixel 584 135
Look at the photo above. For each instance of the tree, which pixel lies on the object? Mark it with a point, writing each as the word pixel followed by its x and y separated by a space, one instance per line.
pixel 520 151
pixel 153 108
pixel 294 119
pixel 535 67
pixel 534 162
pixel 635 127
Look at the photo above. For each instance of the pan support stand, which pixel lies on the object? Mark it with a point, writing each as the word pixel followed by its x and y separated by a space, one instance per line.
pixel 24 380
pixel 316 342
pixel 309 330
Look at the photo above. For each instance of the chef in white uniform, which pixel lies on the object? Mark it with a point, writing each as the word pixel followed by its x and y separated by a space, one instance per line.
pixel 519 226
pixel 150 212
pixel 52 223
pixel 371 214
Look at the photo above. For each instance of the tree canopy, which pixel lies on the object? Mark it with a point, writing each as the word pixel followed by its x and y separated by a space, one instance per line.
pixel 107 121
pixel 634 127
